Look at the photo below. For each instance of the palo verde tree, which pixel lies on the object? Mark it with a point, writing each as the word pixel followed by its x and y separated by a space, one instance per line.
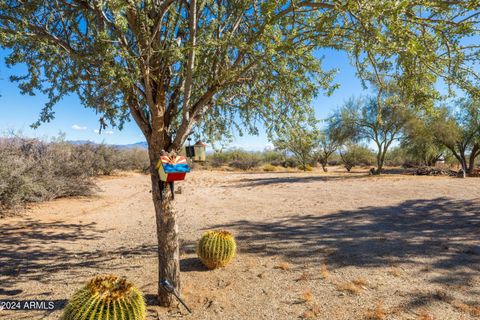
pixel 419 140
pixel 299 137
pixel 174 65
pixel 458 129
pixel 331 139
pixel 366 120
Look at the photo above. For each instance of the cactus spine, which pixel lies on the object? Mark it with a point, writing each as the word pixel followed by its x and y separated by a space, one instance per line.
pixel 216 248
pixel 106 298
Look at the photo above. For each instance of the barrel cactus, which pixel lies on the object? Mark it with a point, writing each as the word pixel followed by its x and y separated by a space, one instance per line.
pixel 104 298
pixel 216 248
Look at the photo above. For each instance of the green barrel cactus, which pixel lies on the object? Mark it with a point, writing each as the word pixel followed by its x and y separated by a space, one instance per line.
pixel 104 298
pixel 216 248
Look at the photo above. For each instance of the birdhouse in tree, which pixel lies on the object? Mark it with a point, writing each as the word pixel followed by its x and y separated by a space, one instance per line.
pixel 200 151
pixel 172 168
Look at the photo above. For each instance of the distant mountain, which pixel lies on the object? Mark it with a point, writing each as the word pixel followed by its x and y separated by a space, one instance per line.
pixel 138 145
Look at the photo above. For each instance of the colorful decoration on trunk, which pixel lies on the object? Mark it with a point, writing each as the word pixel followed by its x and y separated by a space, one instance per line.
pixel 216 248
pixel 172 168
pixel 107 298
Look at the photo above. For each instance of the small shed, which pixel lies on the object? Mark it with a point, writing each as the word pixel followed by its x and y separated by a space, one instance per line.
pixel 200 151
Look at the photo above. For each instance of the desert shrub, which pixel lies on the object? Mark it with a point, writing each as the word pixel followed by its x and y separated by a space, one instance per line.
pixel 236 158
pixel 246 161
pixel 34 171
pixel 269 168
pixel 273 157
pixel 397 157
pixel 356 155
pixel 218 159
pixel 306 168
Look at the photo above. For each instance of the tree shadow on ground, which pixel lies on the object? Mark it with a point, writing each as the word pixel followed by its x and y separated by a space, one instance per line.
pixel 32 250
pixel 441 232
pixel 256 181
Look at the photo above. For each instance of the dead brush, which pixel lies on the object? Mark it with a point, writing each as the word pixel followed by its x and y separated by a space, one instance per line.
pixel 395 271
pixel 473 310
pixel 312 313
pixel 304 277
pixel 424 315
pixel 349 287
pixel 324 271
pixel 378 313
pixel 361 282
pixel 354 287
pixel 307 296
pixel 285 266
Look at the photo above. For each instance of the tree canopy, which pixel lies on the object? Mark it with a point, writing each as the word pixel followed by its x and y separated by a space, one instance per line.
pixel 173 64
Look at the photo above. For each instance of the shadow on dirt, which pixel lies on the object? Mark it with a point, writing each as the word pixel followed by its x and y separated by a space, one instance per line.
pixel 275 180
pixel 442 233
pixel 32 250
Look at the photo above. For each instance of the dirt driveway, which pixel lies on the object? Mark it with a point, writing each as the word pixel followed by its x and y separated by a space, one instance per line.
pixel 311 245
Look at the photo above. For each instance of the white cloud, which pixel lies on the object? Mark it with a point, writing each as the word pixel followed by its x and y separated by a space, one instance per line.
pixel 104 132
pixel 78 127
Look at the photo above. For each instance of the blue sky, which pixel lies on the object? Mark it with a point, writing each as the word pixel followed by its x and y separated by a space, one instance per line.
pixel 18 111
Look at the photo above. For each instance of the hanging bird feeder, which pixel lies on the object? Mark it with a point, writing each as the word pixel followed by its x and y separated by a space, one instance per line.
pixel 172 168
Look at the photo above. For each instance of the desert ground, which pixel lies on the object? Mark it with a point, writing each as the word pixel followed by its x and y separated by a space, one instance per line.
pixel 311 245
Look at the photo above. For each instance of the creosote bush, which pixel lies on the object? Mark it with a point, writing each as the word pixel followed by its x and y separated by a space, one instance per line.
pixel 34 171
pixel 107 298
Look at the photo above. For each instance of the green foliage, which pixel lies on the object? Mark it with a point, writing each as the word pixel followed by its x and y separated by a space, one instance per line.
pixel 269 168
pixel 380 120
pixel 106 298
pixel 353 155
pixel 397 157
pixel 331 139
pixel 222 65
pixel 458 129
pixel 216 248
pixel 300 138
pixel 245 160
pixel 420 142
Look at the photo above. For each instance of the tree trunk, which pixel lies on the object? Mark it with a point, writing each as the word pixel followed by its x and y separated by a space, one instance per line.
pixel 167 233
pixel 471 162
pixel 324 166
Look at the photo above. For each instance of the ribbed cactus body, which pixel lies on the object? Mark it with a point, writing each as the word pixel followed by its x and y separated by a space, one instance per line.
pixel 216 248
pixel 106 298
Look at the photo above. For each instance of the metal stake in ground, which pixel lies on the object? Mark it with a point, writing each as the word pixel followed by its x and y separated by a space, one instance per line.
pixel 170 289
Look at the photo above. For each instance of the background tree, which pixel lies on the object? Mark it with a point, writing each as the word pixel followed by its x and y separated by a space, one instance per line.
pixel 366 120
pixel 353 154
pixel 331 139
pixel 300 138
pixel 419 141
pixel 458 130
pixel 173 65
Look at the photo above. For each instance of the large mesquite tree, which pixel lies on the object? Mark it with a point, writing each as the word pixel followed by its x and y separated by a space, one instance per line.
pixel 176 65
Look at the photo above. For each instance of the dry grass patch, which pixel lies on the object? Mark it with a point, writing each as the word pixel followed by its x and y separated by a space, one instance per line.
pixel 324 271
pixel 378 313
pixel 285 266
pixel 349 287
pixel 307 296
pixel 304 277
pixel 312 313
pixel 360 282
pixel 395 271
pixel 354 287
pixel 424 315
pixel 473 310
